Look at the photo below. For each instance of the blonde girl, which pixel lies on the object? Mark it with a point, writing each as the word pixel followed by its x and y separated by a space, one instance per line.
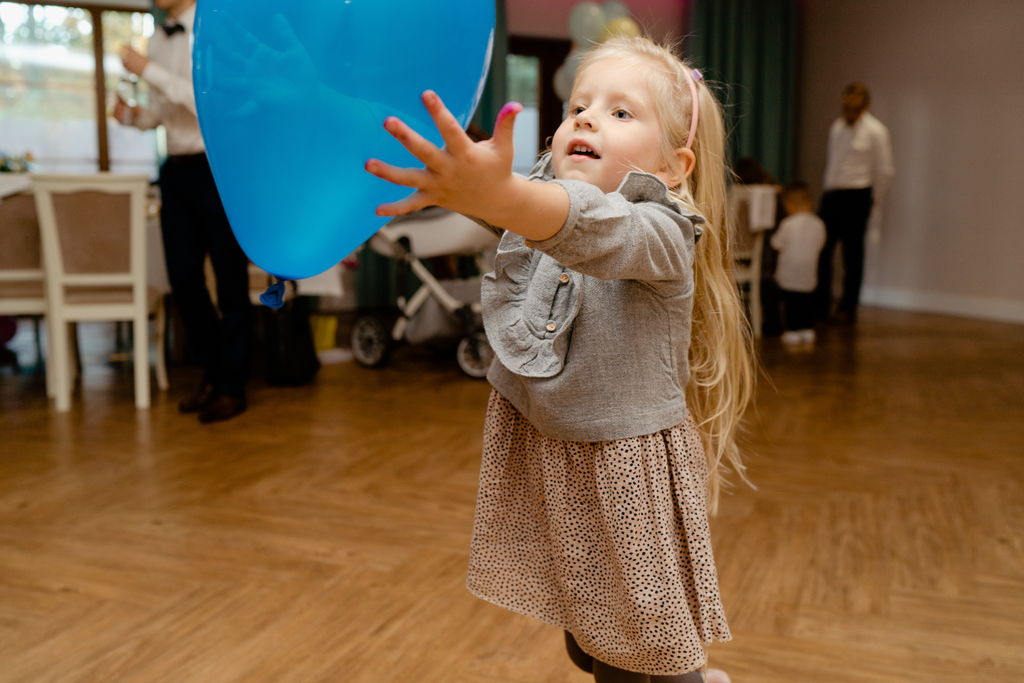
pixel 622 365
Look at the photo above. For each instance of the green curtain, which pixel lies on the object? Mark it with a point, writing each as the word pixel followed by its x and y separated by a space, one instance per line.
pixel 747 49
pixel 380 280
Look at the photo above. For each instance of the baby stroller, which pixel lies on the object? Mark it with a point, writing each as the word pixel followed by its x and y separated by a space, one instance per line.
pixel 439 309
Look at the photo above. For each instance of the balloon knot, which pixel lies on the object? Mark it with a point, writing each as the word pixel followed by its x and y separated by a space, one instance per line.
pixel 273 297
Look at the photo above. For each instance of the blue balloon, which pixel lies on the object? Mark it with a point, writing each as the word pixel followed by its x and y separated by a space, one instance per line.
pixel 292 98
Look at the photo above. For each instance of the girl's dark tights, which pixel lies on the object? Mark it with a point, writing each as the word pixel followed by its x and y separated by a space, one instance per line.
pixel 605 673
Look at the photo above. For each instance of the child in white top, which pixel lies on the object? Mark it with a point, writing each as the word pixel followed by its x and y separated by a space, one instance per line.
pixel 799 240
pixel 622 361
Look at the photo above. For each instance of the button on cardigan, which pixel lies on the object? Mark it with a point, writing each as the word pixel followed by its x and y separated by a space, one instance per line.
pixel 591 327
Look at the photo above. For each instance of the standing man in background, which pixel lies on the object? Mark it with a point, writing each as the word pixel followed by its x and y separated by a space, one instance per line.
pixel 193 220
pixel 857 176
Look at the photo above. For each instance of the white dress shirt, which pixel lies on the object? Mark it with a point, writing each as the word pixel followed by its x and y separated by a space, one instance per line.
pixel 859 156
pixel 172 100
pixel 798 240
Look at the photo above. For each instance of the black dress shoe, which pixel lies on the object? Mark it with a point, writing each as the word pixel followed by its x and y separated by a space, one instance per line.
pixel 222 407
pixel 197 401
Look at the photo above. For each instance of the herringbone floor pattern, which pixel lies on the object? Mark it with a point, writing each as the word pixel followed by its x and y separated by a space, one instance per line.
pixel 322 535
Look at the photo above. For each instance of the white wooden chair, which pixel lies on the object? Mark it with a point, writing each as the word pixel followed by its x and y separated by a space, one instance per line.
pixel 22 279
pixel 94 252
pixel 751 214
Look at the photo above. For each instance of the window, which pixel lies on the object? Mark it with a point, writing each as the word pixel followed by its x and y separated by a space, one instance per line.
pixel 532 67
pixel 47 75
pixel 523 78
pixel 48 93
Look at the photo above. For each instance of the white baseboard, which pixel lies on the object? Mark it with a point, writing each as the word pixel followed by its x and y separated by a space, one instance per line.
pixel 1001 310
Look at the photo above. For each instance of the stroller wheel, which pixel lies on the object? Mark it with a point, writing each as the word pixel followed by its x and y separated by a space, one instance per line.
pixel 371 341
pixel 474 355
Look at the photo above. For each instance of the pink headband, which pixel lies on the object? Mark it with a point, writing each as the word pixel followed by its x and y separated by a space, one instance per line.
pixel 691 80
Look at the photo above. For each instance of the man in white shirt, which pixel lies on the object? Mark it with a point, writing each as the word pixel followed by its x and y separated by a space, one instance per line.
pixel 857 175
pixel 193 221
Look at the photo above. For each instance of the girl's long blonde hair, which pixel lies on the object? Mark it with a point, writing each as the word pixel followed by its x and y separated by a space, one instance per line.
pixel 721 382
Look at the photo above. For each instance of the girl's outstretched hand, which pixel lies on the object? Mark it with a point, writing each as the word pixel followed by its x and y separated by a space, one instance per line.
pixel 473 178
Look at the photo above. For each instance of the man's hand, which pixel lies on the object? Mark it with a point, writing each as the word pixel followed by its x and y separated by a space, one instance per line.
pixel 134 61
pixel 124 114
pixel 874 239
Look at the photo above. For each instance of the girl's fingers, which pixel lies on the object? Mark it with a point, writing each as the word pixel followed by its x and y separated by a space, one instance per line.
pixel 455 139
pixel 409 177
pixel 504 127
pixel 414 202
pixel 421 148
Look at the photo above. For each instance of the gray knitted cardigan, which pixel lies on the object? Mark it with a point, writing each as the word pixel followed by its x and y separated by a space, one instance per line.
pixel 591 327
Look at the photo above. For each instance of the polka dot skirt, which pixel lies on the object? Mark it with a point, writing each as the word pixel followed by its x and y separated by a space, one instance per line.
pixel 607 540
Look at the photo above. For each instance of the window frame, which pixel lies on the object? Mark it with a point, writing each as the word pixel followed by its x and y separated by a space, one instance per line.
pixel 95 11
pixel 551 52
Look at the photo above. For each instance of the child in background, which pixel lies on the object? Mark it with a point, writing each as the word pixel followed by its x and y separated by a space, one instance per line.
pixel 622 361
pixel 799 240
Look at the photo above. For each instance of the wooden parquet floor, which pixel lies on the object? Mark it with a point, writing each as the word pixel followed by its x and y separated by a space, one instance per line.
pixel 322 536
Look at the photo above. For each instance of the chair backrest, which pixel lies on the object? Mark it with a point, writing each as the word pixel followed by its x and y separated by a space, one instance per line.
pixel 751 211
pixel 94 236
pixel 21 266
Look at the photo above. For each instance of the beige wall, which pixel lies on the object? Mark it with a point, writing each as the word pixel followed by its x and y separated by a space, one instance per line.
pixel 947 78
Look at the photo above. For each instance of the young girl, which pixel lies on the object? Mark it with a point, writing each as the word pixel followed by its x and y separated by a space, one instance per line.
pixel 622 360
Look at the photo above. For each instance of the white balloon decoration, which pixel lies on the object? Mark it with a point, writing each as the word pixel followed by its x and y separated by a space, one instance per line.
pixel 586 23
pixel 613 9
pixel 566 74
pixel 589 24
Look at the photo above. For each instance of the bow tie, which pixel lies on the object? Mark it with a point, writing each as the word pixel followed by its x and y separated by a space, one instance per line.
pixel 171 29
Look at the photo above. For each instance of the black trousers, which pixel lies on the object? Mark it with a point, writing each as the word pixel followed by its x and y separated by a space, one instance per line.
pixel 845 213
pixel 194 224
pixel 799 309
